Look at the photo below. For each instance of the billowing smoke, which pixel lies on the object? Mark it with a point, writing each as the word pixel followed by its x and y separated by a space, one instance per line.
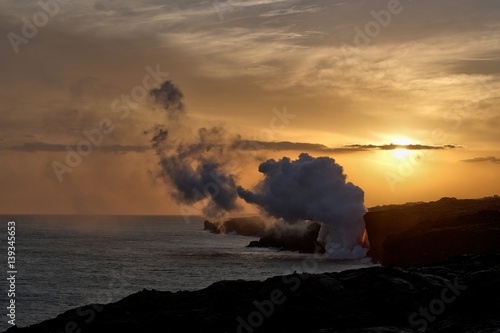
pixel 193 164
pixel 197 183
pixel 159 137
pixel 170 98
pixel 197 165
pixel 314 189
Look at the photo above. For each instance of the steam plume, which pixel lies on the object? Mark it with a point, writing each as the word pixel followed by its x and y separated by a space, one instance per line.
pixel 313 189
pixel 193 165
pixel 170 98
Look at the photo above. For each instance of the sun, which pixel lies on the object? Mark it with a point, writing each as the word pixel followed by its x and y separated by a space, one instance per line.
pixel 401 153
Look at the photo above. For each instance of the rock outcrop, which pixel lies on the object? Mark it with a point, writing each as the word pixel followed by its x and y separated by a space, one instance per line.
pixel 459 295
pixel 426 232
pixel 301 237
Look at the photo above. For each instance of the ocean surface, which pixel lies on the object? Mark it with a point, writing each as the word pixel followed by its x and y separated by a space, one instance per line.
pixel 67 261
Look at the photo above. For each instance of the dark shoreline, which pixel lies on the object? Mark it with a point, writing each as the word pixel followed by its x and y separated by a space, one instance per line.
pixel 399 235
pixel 461 294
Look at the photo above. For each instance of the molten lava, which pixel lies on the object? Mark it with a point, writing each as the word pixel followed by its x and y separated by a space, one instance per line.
pixel 363 238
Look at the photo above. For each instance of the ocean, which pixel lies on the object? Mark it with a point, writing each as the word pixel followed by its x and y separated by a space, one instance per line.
pixel 63 262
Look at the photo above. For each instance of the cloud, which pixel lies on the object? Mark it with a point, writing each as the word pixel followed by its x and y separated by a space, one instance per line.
pixel 317 147
pixel 483 67
pixel 160 135
pixel 392 146
pixel 33 147
pixel 290 11
pixel 492 159
pixel 302 54
pixel 291 146
pixel 170 98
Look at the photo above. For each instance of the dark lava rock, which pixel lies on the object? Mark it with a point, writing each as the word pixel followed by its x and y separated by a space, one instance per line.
pixel 425 232
pixel 296 238
pixel 459 295
pixel 211 226
pixel 438 240
pixel 291 240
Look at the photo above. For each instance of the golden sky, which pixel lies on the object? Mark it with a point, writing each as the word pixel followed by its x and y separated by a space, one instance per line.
pixel 331 74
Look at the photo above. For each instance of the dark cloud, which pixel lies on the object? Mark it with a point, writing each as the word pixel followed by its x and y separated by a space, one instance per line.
pixel 169 96
pixel 316 147
pixel 160 136
pixel 492 159
pixel 208 143
pixel 290 146
pixel 392 146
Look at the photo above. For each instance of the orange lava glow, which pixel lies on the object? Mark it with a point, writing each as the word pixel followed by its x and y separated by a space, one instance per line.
pixel 363 238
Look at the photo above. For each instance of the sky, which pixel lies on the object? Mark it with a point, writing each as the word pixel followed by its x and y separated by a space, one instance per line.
pixel 403 94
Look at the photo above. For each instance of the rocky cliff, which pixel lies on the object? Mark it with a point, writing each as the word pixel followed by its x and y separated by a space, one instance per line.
pixel 426 232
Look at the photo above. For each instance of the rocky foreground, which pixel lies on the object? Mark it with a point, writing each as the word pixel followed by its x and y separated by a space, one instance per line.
pixel 461 294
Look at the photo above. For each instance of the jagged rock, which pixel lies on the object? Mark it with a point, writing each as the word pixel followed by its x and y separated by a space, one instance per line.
pixel 459 295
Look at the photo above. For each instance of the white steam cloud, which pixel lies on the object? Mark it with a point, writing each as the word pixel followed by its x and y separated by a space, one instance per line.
pixel 314 189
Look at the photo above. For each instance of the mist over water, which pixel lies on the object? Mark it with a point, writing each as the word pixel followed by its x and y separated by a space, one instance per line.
pixel 68 261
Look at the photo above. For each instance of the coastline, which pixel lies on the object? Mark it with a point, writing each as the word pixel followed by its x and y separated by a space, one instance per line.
pixel 461 292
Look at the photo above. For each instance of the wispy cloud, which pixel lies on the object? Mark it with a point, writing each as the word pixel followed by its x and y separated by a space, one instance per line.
pixel 34 147
pixel 392 146
pixel 491 159
pixel 291 146
pixel 317 147
pixel 290 11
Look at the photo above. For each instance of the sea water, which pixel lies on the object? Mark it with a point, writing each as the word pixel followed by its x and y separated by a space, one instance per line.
pixel 64 262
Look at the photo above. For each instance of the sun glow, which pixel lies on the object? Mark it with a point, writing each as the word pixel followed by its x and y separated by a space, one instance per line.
pixel 401 153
